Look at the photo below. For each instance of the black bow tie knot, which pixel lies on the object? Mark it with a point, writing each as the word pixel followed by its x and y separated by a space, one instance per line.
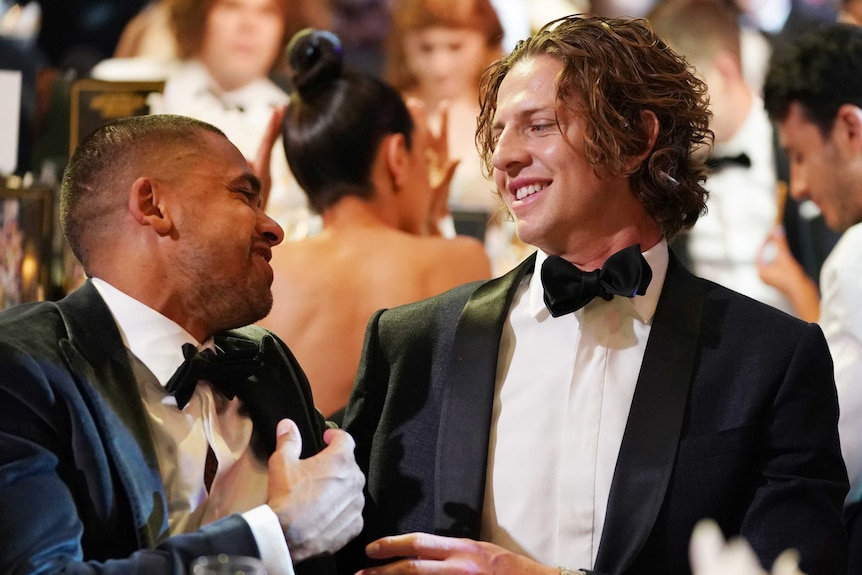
pixel 567 288
pixel 716 163
pixel 225 371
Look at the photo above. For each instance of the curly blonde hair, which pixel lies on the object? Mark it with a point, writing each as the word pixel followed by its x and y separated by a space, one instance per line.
pixel 614 70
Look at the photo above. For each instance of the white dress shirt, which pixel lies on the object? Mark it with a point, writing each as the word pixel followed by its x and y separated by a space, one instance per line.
pixel 182 437
pixel 841 320
pixel 725 243
pixel 564 391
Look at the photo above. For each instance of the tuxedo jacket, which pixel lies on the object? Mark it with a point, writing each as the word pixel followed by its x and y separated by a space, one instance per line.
pixel 80 490
pixel 734 417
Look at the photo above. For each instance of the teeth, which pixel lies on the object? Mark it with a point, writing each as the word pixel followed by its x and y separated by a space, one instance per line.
pixel 522 193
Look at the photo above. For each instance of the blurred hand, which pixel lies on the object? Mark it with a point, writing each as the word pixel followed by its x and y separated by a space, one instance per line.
pixel 775 263
pixel 441 168
pixel 261 163
pixel 318 500
pixel 711 555
pixel 777 267
pixel 423 553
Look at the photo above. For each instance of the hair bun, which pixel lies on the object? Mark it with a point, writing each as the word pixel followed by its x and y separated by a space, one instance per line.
pixel 316 60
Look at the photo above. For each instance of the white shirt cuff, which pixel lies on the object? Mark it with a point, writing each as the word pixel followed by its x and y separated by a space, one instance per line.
pixel 270 541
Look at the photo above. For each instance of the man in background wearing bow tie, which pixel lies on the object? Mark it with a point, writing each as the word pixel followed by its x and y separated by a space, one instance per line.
pixel 102 469
pixel 525 429
pixel 743 204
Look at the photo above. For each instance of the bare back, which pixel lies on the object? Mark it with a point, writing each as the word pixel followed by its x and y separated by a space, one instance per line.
pixel 327 287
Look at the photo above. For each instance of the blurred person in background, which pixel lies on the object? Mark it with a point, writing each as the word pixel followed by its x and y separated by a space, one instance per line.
pixel 814 93
pixel 771 27
pixel 360 155
pixel 437 51
pixel 724 244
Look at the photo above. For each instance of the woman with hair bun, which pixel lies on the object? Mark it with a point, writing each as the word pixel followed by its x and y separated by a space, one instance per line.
pixel 361 155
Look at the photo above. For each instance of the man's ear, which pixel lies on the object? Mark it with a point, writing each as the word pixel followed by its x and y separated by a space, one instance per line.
pixel 650 128
pixel 849 121
pixel 147 207
pixel 397 158
pixel 727 65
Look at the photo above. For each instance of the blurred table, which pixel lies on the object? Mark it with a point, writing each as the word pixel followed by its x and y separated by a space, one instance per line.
pixel 26 242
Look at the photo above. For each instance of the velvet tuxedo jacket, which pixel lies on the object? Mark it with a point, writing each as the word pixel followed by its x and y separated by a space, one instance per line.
pixel 80 490
pixel 734 417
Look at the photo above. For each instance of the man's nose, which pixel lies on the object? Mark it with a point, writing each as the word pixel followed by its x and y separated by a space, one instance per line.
pixel 270 229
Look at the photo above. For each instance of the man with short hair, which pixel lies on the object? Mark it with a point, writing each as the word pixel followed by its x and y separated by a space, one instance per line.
pixel 112 459
pixel 813 91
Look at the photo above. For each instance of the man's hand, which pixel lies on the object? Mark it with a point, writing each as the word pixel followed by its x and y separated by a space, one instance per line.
pixel 777 267
pixel 441 168
pixel 422 553
pixel 318 500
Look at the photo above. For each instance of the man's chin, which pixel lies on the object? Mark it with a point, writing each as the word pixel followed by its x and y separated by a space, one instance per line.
pixel 262 308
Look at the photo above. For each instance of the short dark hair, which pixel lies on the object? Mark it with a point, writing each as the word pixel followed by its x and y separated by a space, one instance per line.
pixel 614 69
pixel 87 204
pixel 336 121
pixel 698 29
pixel 822 72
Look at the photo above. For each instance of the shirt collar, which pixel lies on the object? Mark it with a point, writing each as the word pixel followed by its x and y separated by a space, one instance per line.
pixel 644 306
pixel 192 77
pixel 153 338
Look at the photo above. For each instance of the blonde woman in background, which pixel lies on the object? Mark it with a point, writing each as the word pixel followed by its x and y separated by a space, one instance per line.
pixel 437 52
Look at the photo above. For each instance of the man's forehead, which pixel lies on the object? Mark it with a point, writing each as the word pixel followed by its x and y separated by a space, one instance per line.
pixel 211 154
pixel 794 121
pixel 528 89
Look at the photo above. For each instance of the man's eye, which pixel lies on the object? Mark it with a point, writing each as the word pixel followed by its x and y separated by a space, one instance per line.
pixel 247 194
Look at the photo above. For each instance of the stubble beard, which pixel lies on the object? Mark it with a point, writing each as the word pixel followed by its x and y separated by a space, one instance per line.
pixel 223 303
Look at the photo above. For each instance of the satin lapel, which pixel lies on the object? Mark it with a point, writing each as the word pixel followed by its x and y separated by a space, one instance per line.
pixel 276 393
pixel 652 432
pixel 97 357
pixel 465 419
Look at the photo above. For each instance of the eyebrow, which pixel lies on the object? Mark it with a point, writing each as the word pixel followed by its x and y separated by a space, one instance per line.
pixel 247 178
pixel 526 113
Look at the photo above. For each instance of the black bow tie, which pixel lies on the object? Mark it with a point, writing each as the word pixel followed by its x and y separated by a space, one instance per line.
pixel 718 162
pixel 226 371
pixel 567 288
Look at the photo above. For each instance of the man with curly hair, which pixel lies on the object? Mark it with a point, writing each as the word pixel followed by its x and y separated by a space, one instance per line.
pixel 524 426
